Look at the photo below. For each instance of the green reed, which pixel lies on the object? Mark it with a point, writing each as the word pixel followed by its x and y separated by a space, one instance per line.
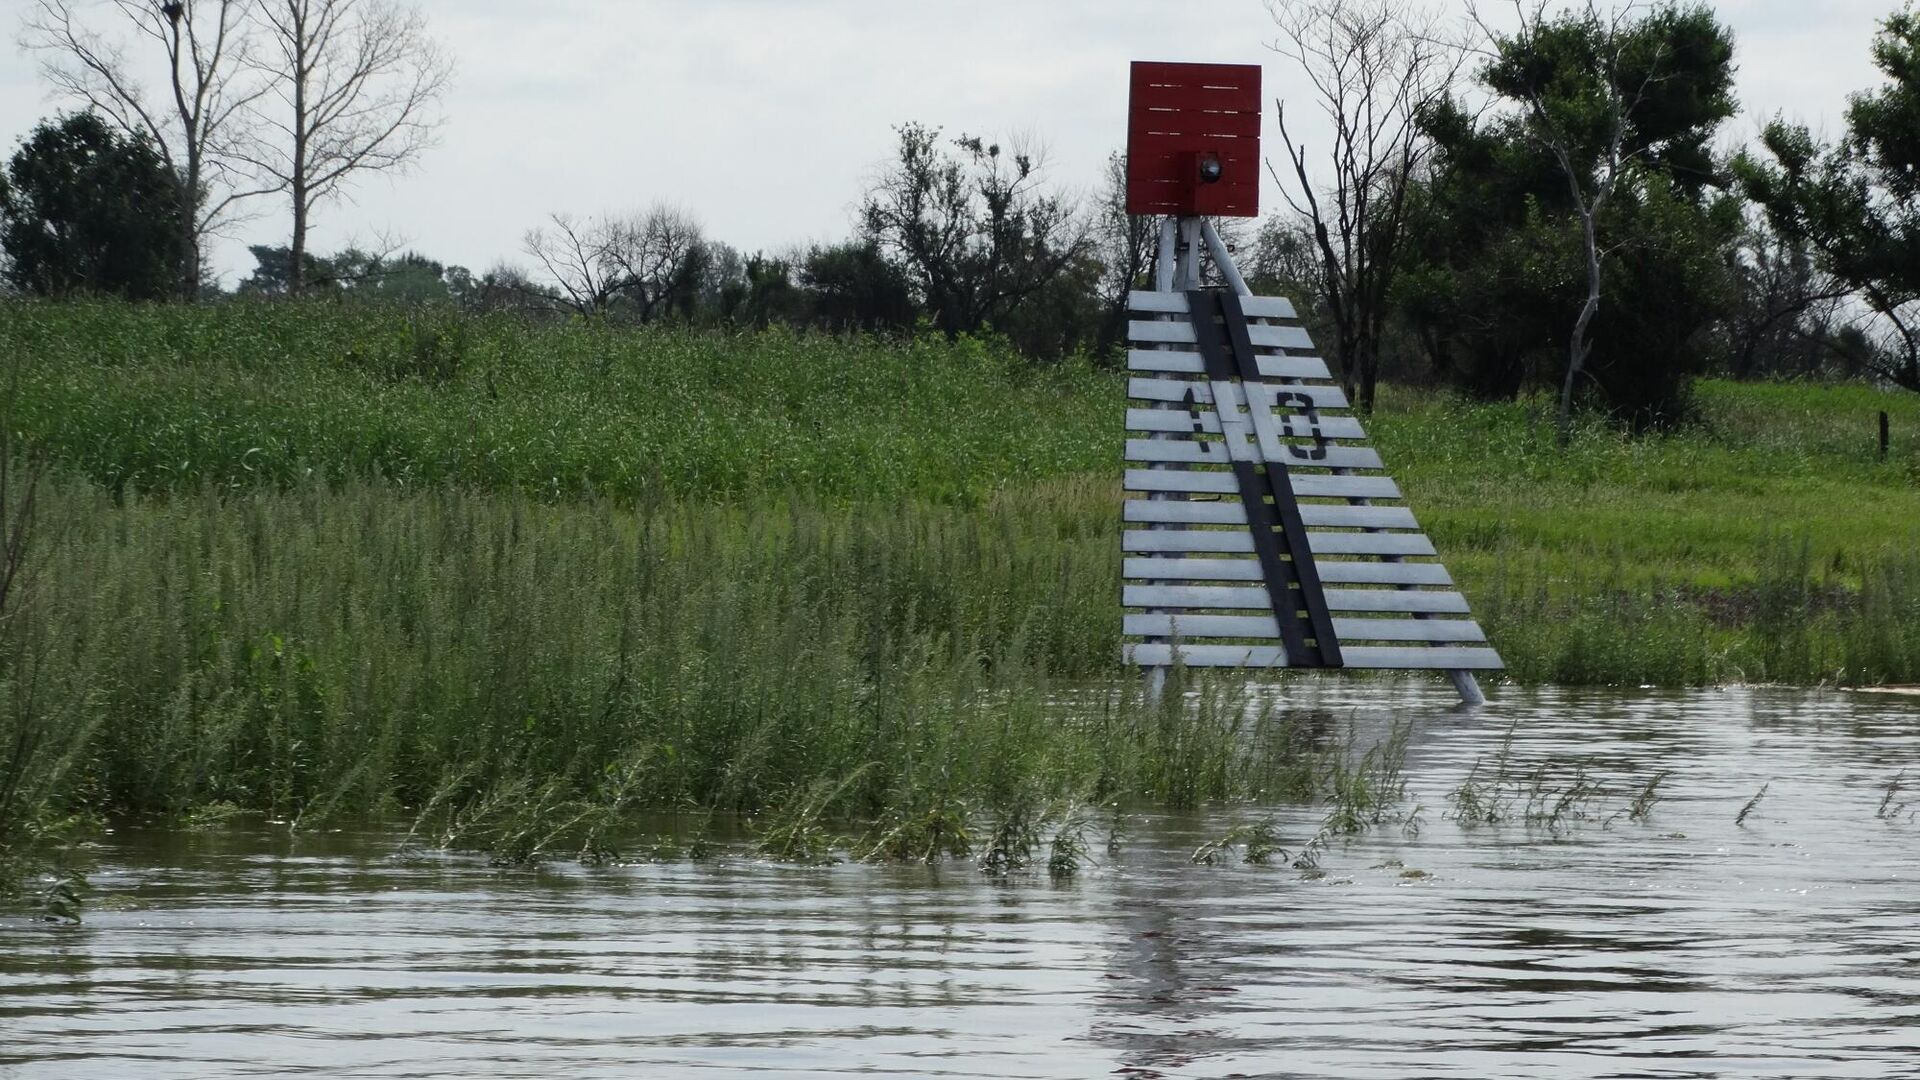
pixel 328 652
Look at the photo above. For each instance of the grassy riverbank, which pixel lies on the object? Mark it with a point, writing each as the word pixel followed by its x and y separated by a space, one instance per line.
pixel 314 563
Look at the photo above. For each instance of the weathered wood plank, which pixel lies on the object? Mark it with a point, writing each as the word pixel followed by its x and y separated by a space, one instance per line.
pixel 1240 542
pixel 1178 420
pixel 1194 481
pixel 1402 544
pixel 1265 626
pixel 1331 573
pixel 1230 512
pixel 1189 363
pixel 1199 392
pixel 1195 452
pixel 1271 656
pixel 1156 332
pixel 1175 303
pixel 1228 598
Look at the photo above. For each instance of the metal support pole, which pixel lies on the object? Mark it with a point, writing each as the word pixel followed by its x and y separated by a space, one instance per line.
pixel 1469 688
pixel 1222 260
pixel 1164 273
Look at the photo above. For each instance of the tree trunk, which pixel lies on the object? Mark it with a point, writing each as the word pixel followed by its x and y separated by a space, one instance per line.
pixel 297 250
pixel 1578 347
pixel 1369 364
pixel 189 284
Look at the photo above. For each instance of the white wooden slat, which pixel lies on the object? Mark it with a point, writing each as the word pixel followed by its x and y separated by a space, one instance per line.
pixel 1240 542
pixel 1190 569
pixel 1392 658
pixel 1221 541
pixel 1305 485
pixel 1229 598
pixel 1195 452
pixel 1331 573
pixel 1190 627
pixel 1400 658
pixel 1181 390
pixel 1230 512
pixel 1189 363
pixel 1156 332
pixel 1175 303
pixel 1178 420
pixel 1401 544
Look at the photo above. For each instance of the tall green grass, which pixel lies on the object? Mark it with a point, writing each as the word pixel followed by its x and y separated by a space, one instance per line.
pixel 368 650
pixel 310 561
pixel 157 398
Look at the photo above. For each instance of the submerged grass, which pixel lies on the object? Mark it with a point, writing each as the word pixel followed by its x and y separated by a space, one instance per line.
pixel 513 675
pixel 513 581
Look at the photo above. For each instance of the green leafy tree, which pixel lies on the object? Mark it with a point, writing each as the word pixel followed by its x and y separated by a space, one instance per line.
pixel 1579 235
pixel 852 286
pixel 85 209
pixel 1857 203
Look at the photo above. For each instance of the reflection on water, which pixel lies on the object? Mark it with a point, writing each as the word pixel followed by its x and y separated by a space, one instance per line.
pixel 1683 945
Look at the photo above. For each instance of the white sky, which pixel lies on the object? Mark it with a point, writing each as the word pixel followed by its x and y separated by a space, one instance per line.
pixel 765 117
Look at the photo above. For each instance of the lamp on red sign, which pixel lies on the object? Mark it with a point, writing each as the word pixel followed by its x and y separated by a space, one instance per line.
pixel 1193 140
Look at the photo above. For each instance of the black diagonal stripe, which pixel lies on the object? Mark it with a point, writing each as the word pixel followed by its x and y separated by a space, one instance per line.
pixel 1287 590
pixel 1274 570
pixel 1286 508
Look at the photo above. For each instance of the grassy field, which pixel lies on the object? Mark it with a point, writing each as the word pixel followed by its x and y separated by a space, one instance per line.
pixel 512 581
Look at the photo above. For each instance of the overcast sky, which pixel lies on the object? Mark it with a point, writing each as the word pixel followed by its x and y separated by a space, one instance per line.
pixel 765 117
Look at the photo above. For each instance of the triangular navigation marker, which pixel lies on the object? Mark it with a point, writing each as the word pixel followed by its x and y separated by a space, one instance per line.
pixel 1261 530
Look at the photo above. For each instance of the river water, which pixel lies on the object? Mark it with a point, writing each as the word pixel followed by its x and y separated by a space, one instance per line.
pixel 1568 937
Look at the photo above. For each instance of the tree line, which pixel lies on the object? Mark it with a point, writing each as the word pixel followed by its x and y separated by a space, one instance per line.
pixel 1537 202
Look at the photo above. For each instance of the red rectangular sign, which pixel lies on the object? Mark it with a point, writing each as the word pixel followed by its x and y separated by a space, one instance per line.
pixel 1193 140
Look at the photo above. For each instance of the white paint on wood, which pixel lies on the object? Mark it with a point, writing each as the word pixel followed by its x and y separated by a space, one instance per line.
pixel 1189 363
pixel 1331 572
pixel 1181 333
pixel 1266 626
pixel 1180 420
pixel 1400 658
pixel 1400 544
pixel 1196 452
pixel 1229 598
pixel 1175 303
pixel 1231 512
pixel 1305 485
pixel 1206 393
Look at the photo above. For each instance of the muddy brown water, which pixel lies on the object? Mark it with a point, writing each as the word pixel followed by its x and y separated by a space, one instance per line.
pixel 1678 945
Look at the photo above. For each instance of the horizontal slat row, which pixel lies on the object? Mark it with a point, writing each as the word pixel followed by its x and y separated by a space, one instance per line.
pixel 1179 421
pixel 1189 363
pixel 1265 626
pixel 1331 573
pixel 1175 303
pixel 1231 512
pixel 1228 598
pixel 1154 332
pixel 1201 393
pixel 1305 485
pixel 1402 658
pixel 1195 452
pixel 1225 542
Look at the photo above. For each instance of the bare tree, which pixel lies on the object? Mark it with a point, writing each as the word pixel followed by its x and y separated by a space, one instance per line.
pixel 356 86
pixel 1375 66
pixel 196 122
pixel 642 261
pixel 975 231
pixel 574 255
pixel 1612 99
pixel 657 254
